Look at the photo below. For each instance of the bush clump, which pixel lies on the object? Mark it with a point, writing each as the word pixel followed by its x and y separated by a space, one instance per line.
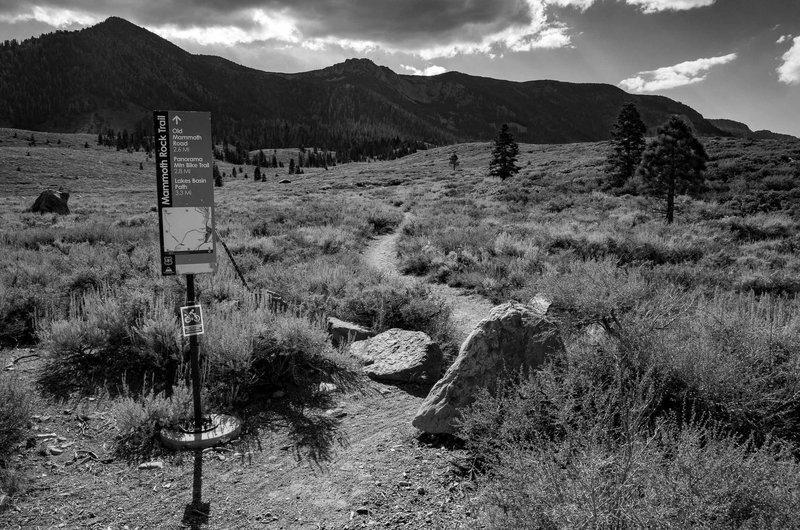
pixel 111 337
pixel 15 410
pixel 139 419
pixel 678 411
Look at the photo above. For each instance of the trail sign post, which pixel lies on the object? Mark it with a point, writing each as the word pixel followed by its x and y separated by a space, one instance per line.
pixel 185 189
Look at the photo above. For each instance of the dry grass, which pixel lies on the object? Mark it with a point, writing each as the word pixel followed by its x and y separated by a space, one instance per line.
pixel 697 369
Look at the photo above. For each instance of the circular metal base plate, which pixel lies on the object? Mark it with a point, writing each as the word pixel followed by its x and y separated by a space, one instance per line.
pixel 222 428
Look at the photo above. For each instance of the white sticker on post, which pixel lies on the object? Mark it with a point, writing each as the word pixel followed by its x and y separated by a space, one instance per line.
pixel 192 320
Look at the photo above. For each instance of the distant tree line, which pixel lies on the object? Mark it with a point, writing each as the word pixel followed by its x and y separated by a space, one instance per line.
pixel 122 140
pixel 236 151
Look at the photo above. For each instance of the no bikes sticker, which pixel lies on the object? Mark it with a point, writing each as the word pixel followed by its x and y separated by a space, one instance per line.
pixel 192 320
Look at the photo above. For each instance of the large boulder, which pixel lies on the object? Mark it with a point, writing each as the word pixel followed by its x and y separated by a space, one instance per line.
pixel 400 356
pixel 342 332
pixel 513 336
pixel 50 201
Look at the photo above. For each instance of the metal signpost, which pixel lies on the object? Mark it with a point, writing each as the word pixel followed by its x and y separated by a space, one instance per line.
pixel 186 214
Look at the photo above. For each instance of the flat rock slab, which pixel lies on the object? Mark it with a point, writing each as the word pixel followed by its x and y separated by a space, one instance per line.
pixel 513 336
pixel 400 356
pixel 223 428
pixel 342 332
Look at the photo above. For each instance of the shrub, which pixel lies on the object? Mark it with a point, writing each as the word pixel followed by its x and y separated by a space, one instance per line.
pixel 249 352
pixel 591 291
pixel 19 308
pixel 15 408
pixel 760 227
pixel 588 442
pixel 672 478
pixel 295 354
pixel 391 304
pixel 110 336
pixel 139 419
pixel 734 357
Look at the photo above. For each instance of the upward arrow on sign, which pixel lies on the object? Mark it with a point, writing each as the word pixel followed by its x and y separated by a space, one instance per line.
pixel 176 119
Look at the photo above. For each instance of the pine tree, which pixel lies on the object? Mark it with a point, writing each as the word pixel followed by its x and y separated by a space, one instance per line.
pixel 504 155
pixel 673 163
pixel 257 174
pixel 454 161
pixel 627 142
pixel 291 166
pixel 217 177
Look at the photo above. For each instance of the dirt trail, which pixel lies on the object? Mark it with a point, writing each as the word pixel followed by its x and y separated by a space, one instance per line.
pixel 467 309
pixel 353 462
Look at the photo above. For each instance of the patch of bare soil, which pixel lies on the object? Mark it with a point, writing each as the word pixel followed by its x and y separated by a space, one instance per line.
pixel 467 309
pixel 348 460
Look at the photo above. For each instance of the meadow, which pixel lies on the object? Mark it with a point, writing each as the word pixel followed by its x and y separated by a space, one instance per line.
pixel 675 405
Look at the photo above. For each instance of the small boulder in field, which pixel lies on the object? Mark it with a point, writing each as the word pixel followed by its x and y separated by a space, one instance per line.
pixel 342 332
pixel 513 336
pixel 285 181
pixel 400 356
pixel 50 201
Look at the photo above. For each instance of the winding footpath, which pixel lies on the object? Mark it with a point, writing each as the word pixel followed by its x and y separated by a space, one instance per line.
pixel 467 309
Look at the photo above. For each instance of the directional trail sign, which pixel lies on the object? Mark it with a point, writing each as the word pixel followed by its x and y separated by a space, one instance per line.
pixel 185 186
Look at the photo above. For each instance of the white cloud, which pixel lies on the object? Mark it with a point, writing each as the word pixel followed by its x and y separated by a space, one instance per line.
pixel 359 46
pixel 647 6
pixel 539 32
pixel 266 26
pixel 656 6
pixel 782 39
pixel 685 73
pixel 53 16
pixel 431 70
pixel 789 71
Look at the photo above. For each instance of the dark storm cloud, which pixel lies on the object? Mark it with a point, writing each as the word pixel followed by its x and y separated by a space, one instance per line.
pixel 386 21
pixel 437 20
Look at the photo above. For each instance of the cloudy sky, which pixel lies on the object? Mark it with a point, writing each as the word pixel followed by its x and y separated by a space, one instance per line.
pixel 737 59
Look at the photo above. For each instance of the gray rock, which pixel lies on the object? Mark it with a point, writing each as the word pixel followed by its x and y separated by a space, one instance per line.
pixel 400 356
pixel 540 303
pixel 50 201
pixel 513 336
pixel 342 332
pixel 155 464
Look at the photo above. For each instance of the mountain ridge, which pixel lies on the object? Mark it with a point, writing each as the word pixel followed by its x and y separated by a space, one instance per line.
pixel 113 74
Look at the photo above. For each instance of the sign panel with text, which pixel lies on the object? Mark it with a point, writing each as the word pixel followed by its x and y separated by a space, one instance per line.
pixel 185 191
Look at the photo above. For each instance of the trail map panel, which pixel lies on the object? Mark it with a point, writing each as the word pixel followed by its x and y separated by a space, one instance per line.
pixel 187 229
pixel 185 191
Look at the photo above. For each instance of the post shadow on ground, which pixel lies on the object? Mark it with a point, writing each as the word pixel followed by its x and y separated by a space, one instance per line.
pixel 197 512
